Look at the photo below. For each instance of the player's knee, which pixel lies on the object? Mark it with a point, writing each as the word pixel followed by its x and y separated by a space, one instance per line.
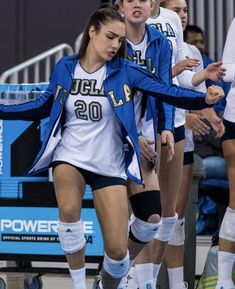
pixel 115 250
pixel 117 268
pixel 71 236
pixel 68 212
pixel 154 218
pixel 166 229
pixel 147 209
pixel 178 235
pixel 228 224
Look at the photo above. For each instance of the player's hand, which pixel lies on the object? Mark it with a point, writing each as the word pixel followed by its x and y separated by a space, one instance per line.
pixel 186 64
pixel 195 123
pixel 215 71
pixel 215 121
pixel 213 94
pixel 147 152
pixel 167 138
pixel 217 126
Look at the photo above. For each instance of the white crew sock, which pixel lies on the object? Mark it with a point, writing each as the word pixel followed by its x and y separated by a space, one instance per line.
pixel 156 269
pixel 176 275
pixel 144 276
pixel 78 277
pixel 225 267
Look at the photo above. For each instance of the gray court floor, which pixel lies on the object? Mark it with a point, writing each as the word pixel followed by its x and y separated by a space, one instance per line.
pixel 16 280
pixel 49 281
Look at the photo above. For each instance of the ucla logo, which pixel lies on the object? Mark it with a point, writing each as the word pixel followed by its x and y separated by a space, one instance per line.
pixel 118 102
pixel 62 92
pixel 149 66
pixel 137 58
pixel 142 62
pixel 168 31
pixel 86 87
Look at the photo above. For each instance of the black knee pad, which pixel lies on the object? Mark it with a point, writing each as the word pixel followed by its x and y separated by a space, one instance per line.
pixel 146 204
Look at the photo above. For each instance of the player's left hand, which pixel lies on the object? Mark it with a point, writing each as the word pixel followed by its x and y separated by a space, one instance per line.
pixel 215 71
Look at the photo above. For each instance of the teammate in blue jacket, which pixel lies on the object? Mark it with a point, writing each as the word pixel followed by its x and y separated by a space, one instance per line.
pixel 92 138
pixel 150 49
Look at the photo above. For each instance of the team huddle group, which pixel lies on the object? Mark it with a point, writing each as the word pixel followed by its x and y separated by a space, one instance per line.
pixel 122 114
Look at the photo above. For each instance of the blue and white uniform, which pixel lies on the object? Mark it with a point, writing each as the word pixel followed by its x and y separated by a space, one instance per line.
pixel 89 120
pixel 168 22
pixel 154 54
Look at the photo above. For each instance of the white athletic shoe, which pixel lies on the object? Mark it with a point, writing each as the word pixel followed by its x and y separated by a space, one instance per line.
pixel 225 287
pixel 125 286
pixel 131 282
pixel 180 285
pixel 97 284
pixel 123 283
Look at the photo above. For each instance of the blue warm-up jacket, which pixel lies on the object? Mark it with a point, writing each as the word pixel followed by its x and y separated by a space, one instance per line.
pixel 158 60
pixel 122 80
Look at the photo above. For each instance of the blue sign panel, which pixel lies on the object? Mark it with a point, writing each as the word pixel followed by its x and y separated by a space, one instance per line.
pixel 33 230
pixel 20 142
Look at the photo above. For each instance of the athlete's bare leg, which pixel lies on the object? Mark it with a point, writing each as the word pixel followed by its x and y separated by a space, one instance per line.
pixel 229 155
pixel 69 188
pixel 111 204
pixel 175 254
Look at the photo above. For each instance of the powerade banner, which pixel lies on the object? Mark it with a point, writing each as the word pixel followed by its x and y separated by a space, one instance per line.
pixel 32 231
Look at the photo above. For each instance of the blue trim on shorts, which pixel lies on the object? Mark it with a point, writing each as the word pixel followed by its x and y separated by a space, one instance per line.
pixel 94 180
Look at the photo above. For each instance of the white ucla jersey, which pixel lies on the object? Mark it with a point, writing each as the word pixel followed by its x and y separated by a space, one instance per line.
pixel 139 57
pixel 139 50
pixel 168 22
pixel 92 136
pixel 191 51
pixel 229 63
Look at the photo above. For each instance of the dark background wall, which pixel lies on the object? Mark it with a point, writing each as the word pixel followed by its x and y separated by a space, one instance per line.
pixel 29 27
